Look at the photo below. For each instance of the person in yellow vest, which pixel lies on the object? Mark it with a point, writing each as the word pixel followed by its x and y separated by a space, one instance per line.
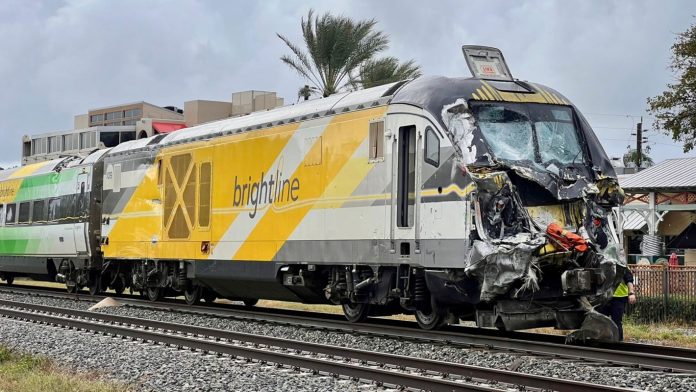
pixel 624 293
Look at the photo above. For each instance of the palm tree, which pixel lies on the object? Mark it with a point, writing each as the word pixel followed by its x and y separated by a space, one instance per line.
pixel 306 92
pixel 335 47
pixel 630 159
pixel 385 70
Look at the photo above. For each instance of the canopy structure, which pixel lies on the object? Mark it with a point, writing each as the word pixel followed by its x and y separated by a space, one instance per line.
pixel 652 193
pixel 165 127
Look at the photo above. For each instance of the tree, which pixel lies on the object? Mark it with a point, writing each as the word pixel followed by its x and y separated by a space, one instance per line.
pixel 336 48
pixel 385 70
pixel 630 159
pixel 306 92
pixel 675 108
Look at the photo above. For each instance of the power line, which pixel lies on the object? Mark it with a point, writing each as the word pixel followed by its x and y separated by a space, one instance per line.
pixel 612 114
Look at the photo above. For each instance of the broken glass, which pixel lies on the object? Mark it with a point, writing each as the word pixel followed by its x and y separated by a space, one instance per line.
pixel 535 133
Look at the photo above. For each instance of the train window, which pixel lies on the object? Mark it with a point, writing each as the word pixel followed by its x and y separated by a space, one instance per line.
pixel 204 183
pixel 54 209
pixel 2 214
pixel 117 178
pixel 432 148
pixel 38 214
pixel 376 144
pixel 10 214
pixel 24 212
pixel 406 191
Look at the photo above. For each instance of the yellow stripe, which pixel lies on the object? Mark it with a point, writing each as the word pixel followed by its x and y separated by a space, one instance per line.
pixel 346 131
pixel 453 188
pixel 28 170
pixel 492 91
pixel 483 91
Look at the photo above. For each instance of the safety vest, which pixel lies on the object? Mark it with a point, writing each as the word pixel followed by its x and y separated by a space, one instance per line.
pixel 621 291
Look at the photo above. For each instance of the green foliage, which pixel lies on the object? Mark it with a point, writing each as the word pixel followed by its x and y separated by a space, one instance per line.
pixel 652 309
pixel 385 70
pixel 630 159
pixel 25 373
pixel 335 48
pixel 675 108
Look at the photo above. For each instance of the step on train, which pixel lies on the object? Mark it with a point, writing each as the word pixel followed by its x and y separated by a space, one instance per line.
pixel 486 199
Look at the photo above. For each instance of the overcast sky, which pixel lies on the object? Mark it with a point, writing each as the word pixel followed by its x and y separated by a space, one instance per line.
pixel 61 58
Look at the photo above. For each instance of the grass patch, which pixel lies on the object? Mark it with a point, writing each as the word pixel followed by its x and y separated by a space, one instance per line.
pixel 24 373
pixel 669 334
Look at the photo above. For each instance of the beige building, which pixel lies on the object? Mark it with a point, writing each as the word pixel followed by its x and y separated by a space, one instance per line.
pixel 110 126
pixel 129 114
pixel 244 102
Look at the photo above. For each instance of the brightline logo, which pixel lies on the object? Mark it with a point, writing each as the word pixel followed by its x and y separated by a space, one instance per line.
pixel 265 191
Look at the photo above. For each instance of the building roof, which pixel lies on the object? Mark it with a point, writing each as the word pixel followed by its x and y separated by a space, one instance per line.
pixel 676 174
pixel 634 221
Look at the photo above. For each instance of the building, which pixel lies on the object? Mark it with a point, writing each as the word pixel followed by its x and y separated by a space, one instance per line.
pixel 109 126
pixel 101 128
pixel 130 114
pixel 659 214
pixel 244 102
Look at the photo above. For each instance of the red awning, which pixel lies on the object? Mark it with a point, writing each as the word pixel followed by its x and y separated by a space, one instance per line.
pixel 163 127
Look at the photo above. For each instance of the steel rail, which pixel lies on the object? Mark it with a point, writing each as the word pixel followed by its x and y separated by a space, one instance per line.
pixel 86 320
pixel 664 358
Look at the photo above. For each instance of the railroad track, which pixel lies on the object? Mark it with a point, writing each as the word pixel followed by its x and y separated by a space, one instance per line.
pixel 380 368
pixel 643 356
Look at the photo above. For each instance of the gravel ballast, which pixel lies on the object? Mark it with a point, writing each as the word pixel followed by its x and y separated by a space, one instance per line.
pixel 613 376
pixel 149 367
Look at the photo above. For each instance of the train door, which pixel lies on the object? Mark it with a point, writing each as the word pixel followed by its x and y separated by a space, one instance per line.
pixel 406 158
pixel 80 227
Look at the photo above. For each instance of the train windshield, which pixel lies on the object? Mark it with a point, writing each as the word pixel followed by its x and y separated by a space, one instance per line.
pixel 534 133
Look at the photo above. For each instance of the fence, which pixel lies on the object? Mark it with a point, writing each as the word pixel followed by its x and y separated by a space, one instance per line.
pixel 665 293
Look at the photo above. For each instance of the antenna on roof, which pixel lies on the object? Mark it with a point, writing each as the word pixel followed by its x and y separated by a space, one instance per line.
pixel 486 62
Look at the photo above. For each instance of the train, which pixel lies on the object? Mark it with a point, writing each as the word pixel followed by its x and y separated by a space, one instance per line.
pixel 484 198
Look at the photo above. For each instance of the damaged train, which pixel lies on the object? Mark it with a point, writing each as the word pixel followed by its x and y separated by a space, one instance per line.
pixel 486 199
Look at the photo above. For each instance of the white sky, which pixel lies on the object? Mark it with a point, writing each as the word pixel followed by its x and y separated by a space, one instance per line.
pixel 61 58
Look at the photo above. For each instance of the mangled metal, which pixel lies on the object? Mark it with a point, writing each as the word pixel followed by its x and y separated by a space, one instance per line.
pixel 513 252
pixel 501 263
pixel 543 249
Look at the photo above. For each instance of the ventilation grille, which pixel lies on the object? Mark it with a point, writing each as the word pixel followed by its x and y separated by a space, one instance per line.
pixel 204 183
pixel 179 196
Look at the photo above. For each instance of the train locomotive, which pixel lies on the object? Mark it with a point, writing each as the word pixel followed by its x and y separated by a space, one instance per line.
pixel 486 199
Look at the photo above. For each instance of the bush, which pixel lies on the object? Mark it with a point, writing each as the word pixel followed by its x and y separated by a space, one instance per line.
pixel 652 309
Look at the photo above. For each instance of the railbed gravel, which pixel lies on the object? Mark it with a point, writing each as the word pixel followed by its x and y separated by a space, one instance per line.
pixel 149 367
pixel 560 368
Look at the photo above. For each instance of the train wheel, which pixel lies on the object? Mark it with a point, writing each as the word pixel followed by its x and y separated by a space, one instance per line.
pixel 356 312
pixel 9 280
pixel 71 286
pixel 94 286
pixel 119 285
pixel 154 293
pixel 192 294
pixel 431 318
pixel 250 302
pixel 209 296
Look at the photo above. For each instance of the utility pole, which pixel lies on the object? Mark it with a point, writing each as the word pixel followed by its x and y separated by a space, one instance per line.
pixel 639 143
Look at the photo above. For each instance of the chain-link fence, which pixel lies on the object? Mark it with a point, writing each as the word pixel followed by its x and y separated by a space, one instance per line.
pixel 665 293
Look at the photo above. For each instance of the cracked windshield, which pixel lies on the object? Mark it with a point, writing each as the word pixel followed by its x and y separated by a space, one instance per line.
pixel 531 133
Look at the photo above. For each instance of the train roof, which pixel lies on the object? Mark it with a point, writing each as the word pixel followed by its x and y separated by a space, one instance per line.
pixel 337 103
pixel 39 168
pixel 430 93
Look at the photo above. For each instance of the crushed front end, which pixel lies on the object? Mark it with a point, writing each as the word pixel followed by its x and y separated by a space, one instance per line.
pixel 544 250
